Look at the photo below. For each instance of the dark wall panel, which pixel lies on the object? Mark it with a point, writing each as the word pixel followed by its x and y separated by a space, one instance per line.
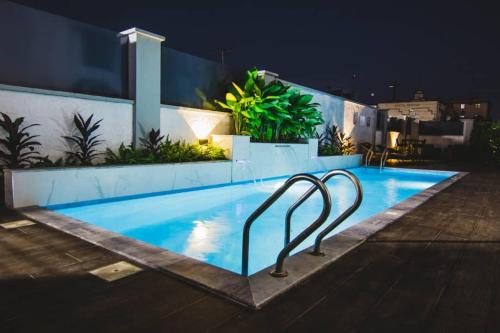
pixel 441 128
pixel 187 80
pixel 42 50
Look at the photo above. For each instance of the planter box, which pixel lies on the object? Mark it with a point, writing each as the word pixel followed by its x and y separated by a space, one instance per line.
pixel 253 160
pixel 54 186
pixel 322 163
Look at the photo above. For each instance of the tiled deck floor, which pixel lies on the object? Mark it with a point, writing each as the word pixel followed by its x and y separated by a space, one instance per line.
pixel 437 269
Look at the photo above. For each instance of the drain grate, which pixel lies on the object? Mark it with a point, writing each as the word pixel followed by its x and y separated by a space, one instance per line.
pixel 116 271
pixel 17 224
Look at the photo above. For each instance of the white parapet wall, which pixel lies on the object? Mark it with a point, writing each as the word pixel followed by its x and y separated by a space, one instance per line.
pixel 324 163
pixel 255 161
pixel 44 187
pixel 248 161
pixel 54 111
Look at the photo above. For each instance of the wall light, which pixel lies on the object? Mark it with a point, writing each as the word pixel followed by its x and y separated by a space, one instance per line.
pixel 202 124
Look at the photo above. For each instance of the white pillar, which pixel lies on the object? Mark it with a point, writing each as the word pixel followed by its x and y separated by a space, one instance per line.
pixel 144 68
pixel 268 76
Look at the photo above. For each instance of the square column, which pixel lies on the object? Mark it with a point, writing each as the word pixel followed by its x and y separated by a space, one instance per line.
pixel 144 69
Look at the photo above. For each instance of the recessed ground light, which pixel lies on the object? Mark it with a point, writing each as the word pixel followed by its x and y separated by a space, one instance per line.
pixel 17 224
pixel 116 271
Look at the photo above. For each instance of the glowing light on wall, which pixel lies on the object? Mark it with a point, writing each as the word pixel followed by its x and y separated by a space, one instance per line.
pixel 202 123
pixel 393 139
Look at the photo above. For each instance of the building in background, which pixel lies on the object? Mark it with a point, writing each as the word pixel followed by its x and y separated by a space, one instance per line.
pixel 468 109
pixel 418 108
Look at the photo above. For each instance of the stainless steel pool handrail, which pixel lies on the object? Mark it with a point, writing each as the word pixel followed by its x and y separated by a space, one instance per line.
pixel 342 217
pixel 327 205
pixel 326 177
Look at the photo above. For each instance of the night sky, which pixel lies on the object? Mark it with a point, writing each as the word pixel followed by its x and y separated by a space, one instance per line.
pixel 451 50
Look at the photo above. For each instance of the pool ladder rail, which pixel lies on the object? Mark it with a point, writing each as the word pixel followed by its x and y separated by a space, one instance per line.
pixel 290 245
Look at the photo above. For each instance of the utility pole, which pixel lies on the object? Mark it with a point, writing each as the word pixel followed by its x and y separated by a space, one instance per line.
pixel 393 86
pixel 223 52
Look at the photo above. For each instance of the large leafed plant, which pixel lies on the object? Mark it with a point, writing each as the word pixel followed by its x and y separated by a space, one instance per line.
pixel 17 147
pixel 271 112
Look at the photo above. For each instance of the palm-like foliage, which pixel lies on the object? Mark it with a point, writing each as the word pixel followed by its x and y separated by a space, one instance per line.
pixel 304 116
pixel 152 141
pixel 271 112
pixel 335 142
pixel 18 146
pixel 85 141
pixel 169 152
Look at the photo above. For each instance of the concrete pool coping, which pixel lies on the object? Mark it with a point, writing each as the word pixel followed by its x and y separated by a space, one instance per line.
pixel 253 291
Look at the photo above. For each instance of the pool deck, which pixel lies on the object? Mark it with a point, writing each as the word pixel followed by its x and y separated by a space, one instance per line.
pixel 435 269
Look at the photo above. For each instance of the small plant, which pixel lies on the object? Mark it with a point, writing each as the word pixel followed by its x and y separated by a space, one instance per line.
pixel 334 142
pixel 168 152
pixel 84 142
pixel 17 148
pixel 152 141
pixel 485 141
pixel 129 155
pixel 46 162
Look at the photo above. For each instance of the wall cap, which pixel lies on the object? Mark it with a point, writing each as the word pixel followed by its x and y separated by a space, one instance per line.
pixel 8 87
pixel 142 32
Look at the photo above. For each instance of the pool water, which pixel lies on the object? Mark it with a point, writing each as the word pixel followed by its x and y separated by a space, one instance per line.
pixel 207 224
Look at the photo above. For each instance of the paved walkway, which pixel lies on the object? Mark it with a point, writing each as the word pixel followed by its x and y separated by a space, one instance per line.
pixel 436 269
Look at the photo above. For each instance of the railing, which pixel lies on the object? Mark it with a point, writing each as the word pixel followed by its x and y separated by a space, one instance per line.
pixel 327 205
pixel 342 217
pixel 326 177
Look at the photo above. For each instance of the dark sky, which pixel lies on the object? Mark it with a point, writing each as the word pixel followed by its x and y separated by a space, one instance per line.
pixel 449 49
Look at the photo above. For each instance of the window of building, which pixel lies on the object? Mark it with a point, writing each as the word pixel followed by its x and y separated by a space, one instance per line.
pixel 462 106
pixel 478 105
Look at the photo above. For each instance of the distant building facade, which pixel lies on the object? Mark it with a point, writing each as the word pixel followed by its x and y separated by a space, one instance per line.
pixel 469 109
pixel 418 108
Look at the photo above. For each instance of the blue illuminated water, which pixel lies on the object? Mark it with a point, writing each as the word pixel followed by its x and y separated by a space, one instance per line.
pixel 207 224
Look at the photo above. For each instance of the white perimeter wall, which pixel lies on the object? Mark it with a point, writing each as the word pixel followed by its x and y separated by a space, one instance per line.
pixel 366 125
pixel 54 112
pixel 340 112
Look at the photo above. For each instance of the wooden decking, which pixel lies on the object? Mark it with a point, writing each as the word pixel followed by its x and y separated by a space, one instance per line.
pixel 436 269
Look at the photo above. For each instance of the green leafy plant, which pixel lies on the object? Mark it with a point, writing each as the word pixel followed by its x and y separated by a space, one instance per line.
pixel 334 142
pixel 46 162
pixel 181 151
pixel 159 149
pixel 485 141
pixel 84 143
pixel 304 116
pixel 17 148
pixel 271 112
pixel 130 155
pixel 152 141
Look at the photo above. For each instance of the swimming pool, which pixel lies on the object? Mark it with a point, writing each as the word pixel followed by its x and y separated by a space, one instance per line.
pixel 206 224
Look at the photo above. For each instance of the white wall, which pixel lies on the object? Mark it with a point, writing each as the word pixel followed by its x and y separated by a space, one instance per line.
pixel 366 123
pixel 54 112
pixel 332 107
pixel 44 187
pixel 182 123
pixel 340 112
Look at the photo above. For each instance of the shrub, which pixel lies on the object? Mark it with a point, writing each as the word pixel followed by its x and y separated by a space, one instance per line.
pixel 163 151
pixel 84 143
pixel 271 112
pixel 18 146
pixel 485 140
pixel 334 142
pixel 152 142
